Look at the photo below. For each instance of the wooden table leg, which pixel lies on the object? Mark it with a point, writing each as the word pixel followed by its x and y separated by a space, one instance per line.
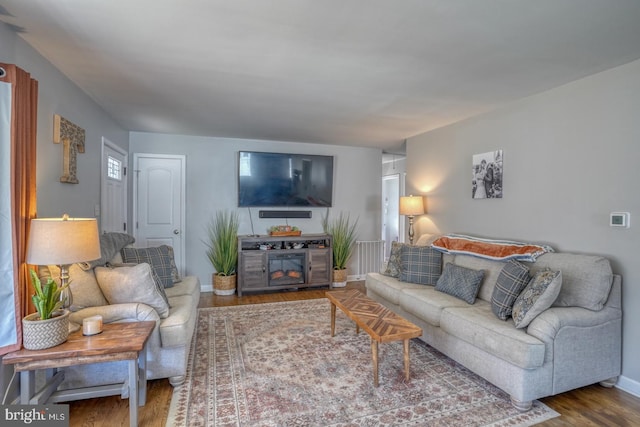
pixel 374 355
pixel 142 376
pixel 333 319
pixel 27 386
pixel 406 359
pixel 133 392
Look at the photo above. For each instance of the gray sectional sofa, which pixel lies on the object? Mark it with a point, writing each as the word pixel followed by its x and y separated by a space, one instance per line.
pixel 574 343
pixel 167 348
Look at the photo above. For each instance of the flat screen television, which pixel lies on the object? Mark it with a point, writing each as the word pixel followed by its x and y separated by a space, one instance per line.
pixel 280 179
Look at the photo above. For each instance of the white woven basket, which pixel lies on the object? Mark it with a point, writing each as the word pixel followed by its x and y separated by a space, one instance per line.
pixel 40 334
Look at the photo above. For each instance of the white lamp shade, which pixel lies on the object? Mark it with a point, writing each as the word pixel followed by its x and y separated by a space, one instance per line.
pixel 410 205
pixel 63 241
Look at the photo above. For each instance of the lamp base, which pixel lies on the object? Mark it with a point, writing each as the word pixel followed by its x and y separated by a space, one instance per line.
pixel 411 233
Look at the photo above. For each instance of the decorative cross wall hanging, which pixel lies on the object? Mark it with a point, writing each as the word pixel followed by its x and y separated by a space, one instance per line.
pixel 72 138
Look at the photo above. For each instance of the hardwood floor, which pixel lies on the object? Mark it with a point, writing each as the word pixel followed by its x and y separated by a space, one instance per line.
pixel 588 406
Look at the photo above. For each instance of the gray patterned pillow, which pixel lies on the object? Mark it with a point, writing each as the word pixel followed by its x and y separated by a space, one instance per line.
pixel 513 278
pixel 539 294
pixel 394 265
pixel 160 259
pixel 420 264
pixel 460 282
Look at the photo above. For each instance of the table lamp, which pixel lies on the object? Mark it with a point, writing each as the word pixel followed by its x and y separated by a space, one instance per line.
pixel 63 241
pixel 411 206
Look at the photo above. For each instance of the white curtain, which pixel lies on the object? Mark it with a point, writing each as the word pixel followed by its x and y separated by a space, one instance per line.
pixel 8 333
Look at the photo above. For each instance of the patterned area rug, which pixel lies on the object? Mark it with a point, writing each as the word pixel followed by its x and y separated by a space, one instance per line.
pixel 276 365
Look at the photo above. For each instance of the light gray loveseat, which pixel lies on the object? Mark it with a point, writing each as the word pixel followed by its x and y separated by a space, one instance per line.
pixel 167 348
pixel 563 348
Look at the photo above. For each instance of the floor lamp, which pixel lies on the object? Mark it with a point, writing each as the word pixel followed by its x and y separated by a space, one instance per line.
pixel 63 241
pixel 411 206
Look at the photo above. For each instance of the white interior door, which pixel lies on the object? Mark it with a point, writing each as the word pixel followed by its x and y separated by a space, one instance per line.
pixel 159 202
pixel 113 188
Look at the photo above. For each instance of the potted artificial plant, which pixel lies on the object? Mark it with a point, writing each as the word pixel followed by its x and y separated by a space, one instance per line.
pixel 344 237
pixel 49 326
pixel 222 251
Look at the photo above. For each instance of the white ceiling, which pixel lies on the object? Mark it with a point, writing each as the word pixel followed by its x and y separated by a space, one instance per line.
pixel 349 72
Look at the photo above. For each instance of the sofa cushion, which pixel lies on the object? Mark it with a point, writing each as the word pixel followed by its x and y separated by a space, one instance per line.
pixel 491 270
pixel 539 294
pixel 177 328
pixel 426 239
pixel 133 284
pixel 513 278
pixel 388 287
pixel 478 326
pixel 420 264
pixel 83 284
pixel 460 282
pixel 427 304
pixel 586 279
pixel 187 286
pixel 160 258
pixel 394 265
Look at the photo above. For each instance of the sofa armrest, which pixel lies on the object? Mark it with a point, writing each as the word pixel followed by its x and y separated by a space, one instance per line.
pixel 549 323
pixel 126 312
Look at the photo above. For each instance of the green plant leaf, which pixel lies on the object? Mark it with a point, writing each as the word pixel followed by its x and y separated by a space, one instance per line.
pixel 222 242
pixel 344 238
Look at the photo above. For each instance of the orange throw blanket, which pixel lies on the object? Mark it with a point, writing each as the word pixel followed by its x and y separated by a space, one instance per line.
pixel 491 249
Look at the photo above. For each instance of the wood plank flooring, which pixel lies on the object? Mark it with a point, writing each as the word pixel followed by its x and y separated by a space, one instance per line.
pixel 589 406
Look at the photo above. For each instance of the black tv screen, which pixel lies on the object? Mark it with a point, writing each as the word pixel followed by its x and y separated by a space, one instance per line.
pixel 279 179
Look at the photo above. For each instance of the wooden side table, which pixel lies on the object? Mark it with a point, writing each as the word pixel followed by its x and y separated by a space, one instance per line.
pixel 118 341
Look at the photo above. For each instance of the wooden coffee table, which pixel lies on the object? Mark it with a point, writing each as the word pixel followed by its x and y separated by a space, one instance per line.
pixel 382 324
pixel 118 341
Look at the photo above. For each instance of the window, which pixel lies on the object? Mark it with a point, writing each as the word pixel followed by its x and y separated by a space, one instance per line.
pixel 114 168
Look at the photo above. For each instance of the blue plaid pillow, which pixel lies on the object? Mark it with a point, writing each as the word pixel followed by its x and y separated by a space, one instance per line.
pixel 420 264
pixel 460 282
pixel 160 258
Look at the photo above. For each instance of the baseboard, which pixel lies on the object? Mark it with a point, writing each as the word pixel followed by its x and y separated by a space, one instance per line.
pixel 206 288
pixel 629 385
pixel 355 277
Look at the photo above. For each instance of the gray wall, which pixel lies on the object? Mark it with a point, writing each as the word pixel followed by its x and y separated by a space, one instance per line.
pixel 58 95
pixel 211 165
pixel 570 158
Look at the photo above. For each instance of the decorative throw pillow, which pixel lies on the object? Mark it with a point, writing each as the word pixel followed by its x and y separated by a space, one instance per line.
pixel 460 282
pixel 394 265
pixel 85 290
pixel 539 294
pixel 513 278
pixel 420 264
pixel 110 244
pixel 160 258
pixel 133 284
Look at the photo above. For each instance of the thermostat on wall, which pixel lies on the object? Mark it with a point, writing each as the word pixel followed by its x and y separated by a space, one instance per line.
pixel 620 219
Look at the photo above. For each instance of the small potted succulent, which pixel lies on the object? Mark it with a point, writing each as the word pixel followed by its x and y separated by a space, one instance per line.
pixel 49 326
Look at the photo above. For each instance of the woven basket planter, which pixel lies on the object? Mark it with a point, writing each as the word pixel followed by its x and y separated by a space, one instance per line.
pixel 40 334
pixel 340 278
pixel 224 285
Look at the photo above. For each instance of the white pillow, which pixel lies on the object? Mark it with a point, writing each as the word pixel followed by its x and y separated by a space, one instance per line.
pixel 133 284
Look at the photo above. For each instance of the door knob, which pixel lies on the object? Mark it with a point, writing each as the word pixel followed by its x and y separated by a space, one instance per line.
pixel 176 231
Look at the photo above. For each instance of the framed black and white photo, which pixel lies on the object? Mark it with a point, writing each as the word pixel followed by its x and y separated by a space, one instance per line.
pixel 487 175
